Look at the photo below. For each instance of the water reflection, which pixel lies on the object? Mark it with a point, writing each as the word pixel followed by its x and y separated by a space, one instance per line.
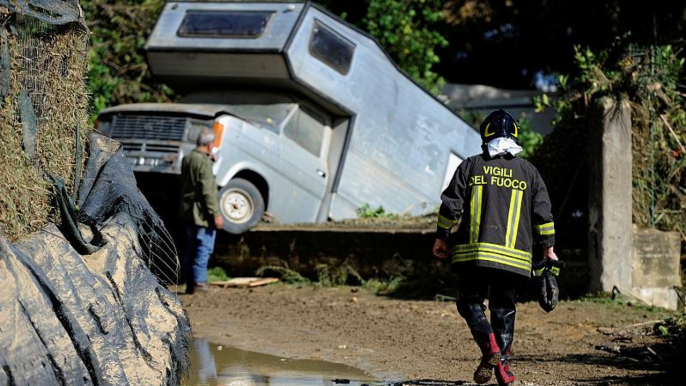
pixel 206 368
pixel 214 365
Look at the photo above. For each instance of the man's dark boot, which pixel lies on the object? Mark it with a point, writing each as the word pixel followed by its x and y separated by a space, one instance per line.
pixel 489 360
pixel 503 321
pixel 503 374
pixel 201 287
pixel 472 310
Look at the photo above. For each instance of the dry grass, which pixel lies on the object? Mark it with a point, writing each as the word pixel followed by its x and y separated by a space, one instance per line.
pixel 49 62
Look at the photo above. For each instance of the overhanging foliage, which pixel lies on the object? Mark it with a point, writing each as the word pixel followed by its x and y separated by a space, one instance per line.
pixel 651 79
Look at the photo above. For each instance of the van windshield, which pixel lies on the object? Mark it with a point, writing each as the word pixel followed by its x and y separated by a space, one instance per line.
pixel 264 110
pixel 269 116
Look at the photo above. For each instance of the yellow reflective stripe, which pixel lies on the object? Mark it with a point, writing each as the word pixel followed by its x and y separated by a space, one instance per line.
pixel 494 260
pixel 467 246
pixel 545 226
pixel 553 270
pixel 545 229
pixel 475 213
pixel 509 218
pixel 482 255
pixel 516 253
pixel 472 216
pixel 520 259
pixel 480 190
pixel 513 218
pixel 515 226
pixel 445 222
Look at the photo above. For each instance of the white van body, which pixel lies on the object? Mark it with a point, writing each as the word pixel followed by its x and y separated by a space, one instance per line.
pixel 312 112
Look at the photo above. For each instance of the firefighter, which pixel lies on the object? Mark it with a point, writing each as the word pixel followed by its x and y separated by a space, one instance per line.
pixel 505 216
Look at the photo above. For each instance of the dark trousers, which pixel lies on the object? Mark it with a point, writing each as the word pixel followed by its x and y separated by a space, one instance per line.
pixel 475 284
pixel 199 247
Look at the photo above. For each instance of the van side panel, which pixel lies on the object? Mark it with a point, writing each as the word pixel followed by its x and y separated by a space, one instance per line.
pixel 257 149
pixel 401 141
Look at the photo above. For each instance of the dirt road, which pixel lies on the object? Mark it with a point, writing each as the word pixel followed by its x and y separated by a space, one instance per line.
pixel 579 343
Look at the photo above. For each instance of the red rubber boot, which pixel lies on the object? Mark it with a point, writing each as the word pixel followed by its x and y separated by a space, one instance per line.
pixel 489 360
pixel 503 374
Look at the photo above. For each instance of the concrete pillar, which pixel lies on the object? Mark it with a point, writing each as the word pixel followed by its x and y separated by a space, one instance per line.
pixel 610 203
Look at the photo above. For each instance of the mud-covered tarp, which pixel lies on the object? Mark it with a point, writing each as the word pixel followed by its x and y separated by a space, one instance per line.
pixel 102 318
pixel 109 187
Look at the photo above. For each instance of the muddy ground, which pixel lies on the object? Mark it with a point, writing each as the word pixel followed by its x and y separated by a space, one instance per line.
pixel 579 343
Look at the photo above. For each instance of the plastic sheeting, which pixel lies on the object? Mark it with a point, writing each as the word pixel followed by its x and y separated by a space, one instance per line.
pixel 55 12
pixel 109 187
pixel 102 318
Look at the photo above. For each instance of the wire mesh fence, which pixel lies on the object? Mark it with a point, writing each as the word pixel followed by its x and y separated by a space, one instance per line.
pixel 44 120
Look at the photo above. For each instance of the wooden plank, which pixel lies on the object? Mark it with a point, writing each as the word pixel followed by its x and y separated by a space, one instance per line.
pixel 245 282
pixel 241 281
pixel 263 281
pixel 222 284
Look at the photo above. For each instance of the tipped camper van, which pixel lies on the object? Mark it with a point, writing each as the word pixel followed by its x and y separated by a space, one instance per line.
pixel 313 119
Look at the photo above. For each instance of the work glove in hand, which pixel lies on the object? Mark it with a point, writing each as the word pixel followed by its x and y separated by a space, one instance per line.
pixel 545 273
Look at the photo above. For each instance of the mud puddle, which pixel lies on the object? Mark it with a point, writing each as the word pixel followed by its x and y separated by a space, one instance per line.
pixel 216 365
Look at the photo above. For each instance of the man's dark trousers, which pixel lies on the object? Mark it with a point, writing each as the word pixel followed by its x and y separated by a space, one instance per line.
pixel 474 285
pixel 199 247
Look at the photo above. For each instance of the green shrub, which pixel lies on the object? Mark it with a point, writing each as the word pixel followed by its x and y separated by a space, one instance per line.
pixel 216 274
pixel 367 211
pixel 649 78
pixel 288 275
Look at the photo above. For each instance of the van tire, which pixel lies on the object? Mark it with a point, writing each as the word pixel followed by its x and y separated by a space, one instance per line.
pixel 241 205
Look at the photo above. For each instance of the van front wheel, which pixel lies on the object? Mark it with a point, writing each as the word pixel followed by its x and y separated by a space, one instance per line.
pixel 241 204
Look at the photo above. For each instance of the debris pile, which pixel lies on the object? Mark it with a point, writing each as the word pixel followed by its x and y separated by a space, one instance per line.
pixel 84 259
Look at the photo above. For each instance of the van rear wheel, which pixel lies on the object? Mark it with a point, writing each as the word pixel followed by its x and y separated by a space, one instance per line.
pixel 241 204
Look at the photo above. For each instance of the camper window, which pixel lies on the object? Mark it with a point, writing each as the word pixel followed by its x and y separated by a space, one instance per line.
pixel 331 48
pixel 306 128
pixel 224 24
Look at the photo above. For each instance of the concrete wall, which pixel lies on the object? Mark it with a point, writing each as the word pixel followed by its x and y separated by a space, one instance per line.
pixel 656 263
pixel 610 201
pixel 644 264
pixel 373 253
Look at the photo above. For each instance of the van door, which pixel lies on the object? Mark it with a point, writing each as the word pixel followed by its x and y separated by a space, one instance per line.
pixel 304 156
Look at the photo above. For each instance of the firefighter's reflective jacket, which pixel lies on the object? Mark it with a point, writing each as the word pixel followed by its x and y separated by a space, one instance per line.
pixel 504 208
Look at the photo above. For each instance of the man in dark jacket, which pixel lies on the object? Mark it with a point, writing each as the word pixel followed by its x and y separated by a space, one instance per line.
pixel 505 215
pixel 199 209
